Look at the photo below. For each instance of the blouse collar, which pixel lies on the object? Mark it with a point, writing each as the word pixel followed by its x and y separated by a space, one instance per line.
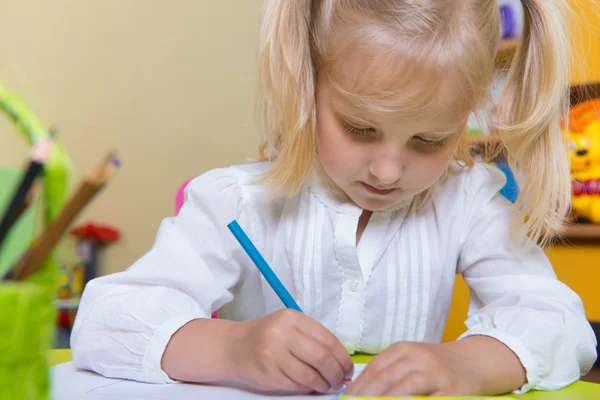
pixel 339 201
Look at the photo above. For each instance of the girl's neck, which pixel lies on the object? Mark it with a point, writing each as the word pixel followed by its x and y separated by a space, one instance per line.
pixel 362 224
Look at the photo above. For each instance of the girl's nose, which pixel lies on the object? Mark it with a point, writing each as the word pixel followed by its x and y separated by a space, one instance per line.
pixel 386 169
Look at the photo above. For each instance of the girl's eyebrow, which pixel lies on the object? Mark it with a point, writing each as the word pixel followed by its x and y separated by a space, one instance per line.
pixel 357 119
pixel 443 132
pixel 350 112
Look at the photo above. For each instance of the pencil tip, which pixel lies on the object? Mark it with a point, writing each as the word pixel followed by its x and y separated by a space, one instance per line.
pixel 41 150
pixel 111 155
pixel 53 133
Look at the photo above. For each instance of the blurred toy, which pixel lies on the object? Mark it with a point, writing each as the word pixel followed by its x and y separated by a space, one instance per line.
pixel 71 279
pixel 584 149
pixel 180 196
pixel 77 273
pixel 511 16
pixel 91 238
pixel 511 189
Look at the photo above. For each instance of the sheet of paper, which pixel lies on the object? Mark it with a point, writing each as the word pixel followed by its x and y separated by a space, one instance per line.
pixel 70 383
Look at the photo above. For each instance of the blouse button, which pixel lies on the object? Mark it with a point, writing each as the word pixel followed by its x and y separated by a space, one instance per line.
pixel 353 285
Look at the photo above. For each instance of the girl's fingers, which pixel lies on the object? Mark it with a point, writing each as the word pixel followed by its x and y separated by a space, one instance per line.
pixel 413 384
pixel 380 379
pixel 320 360
pixel 330 342
pixel 288 385
pixel 304 377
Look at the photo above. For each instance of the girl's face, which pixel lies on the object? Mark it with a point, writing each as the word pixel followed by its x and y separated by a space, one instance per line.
pixel 379 160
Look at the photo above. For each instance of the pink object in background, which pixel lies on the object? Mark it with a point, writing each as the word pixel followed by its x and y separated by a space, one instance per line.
pixel 179 200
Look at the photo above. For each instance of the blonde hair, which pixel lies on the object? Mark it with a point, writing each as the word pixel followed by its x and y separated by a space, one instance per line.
pixel 303 40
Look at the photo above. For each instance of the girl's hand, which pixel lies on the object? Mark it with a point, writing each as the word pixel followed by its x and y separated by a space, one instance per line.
pixel 476 365
pixel 288 351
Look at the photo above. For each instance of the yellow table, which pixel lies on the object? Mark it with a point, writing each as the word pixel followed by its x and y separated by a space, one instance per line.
pixel 579 390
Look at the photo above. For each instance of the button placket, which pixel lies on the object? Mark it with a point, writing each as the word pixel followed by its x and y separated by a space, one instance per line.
pixel 351 302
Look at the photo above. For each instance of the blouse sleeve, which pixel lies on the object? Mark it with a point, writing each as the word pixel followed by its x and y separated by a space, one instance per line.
pixel 516 297
pixel 126 319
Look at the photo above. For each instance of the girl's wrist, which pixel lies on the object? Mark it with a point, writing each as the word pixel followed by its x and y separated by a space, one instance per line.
pixel 495 368
pixel 199 351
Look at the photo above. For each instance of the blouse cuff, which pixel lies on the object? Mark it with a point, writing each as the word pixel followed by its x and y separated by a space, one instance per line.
pixel 151 364
pixel 525 356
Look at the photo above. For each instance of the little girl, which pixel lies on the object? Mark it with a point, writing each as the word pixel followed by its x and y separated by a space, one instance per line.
pixel 366 206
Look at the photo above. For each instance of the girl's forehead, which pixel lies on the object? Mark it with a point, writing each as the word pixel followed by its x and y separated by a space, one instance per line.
pixel 380 63
pixel 384 84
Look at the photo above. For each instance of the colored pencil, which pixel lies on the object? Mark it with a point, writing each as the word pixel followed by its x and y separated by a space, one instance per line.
pixel 262 266
pixel 34 258
pixel 267 272
pixel 38 157
pixel 35 188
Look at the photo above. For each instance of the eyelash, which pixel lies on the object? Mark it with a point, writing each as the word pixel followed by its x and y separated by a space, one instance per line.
pixel 364 132
pixel 436 144
pixel 360 132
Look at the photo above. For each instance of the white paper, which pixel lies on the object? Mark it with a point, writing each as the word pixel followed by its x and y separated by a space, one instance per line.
pixel 70 383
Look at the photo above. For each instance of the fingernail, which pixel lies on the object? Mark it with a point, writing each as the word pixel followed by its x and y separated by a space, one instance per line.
pixel 338 387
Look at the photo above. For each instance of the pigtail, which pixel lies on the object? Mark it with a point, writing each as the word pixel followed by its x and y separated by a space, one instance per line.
pixel 287 97
pixel 533 102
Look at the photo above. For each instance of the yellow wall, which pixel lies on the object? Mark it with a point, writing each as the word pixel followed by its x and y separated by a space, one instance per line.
pixel 169 84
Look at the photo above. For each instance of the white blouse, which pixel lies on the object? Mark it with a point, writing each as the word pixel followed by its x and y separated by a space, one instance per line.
pixel 396 285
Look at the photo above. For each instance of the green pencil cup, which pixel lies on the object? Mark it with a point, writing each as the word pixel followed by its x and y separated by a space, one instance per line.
pixel 27 317
pixel 27 311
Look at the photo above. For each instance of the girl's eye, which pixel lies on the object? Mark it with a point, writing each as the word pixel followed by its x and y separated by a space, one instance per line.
pixel 360 132
pixel 436 144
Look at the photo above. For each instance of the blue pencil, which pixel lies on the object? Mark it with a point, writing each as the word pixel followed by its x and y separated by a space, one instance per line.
pixel 262 266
